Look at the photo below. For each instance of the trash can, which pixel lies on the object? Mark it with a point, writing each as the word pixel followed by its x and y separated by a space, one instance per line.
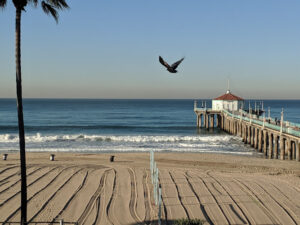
pixel 52 157
pixel 112 158
pixel 5 156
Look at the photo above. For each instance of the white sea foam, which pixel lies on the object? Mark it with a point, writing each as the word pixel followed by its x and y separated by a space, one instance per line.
pixel 126 143
pixel 9 138
pixel 122 149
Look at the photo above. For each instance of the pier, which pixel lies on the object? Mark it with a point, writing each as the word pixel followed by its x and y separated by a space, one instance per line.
pixel 275 139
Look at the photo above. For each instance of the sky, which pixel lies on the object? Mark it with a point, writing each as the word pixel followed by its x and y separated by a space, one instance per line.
pixel 110 49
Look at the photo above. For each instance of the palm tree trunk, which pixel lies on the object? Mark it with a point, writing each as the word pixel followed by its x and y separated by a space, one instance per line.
pixel 20 119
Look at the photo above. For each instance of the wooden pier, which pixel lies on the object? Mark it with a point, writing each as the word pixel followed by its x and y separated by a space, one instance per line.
pixel 275 140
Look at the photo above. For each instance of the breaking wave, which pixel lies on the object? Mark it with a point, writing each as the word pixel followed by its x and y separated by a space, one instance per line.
pixel 126 143
pixel 11 138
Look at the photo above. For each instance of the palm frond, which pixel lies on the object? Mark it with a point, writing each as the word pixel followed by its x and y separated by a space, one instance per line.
pixel 48 9
pixel 3 3
pixel 59 4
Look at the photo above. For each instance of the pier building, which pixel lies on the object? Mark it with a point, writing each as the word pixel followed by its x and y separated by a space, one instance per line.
pixel 228 101
pixel 275 139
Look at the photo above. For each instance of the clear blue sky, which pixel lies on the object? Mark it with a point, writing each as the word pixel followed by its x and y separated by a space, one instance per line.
pixel 110 49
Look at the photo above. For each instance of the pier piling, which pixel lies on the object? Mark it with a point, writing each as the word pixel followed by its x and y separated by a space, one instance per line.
pixel 270 153
pixel 282 150
pixel 298 151
pixel 275 155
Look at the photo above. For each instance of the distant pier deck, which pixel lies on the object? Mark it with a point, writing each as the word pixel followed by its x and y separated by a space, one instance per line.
pixel 275 139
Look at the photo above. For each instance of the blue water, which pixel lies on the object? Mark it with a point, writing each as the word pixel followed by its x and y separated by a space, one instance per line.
pixel 82 125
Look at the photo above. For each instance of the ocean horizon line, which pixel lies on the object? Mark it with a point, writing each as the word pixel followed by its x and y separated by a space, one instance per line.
pixel 77 98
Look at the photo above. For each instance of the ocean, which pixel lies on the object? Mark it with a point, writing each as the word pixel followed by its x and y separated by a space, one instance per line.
pixel 99 125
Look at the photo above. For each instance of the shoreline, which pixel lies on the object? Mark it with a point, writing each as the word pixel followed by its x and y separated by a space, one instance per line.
pixel 254 154
pixel 178 158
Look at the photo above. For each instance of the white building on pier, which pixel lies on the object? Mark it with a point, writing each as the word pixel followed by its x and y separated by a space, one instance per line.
pixel 228 102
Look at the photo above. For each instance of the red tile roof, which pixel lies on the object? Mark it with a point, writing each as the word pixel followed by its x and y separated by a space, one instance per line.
pixel 229 97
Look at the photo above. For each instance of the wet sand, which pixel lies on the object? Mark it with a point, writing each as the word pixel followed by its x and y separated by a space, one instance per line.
pixel 89 189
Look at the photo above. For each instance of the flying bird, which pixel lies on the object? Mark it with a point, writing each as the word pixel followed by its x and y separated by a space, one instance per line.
pixel 172 68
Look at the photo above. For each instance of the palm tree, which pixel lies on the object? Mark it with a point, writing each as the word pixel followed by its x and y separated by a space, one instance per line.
pixel 49 7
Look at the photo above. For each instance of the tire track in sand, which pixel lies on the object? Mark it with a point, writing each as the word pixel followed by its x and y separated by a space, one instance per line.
pixel 246 202
pixel 291 201
pixel 53 195
pixel 18 192
pixel 147 200
pixel 163 200
pixel 133 197
pixel 6 179
pixel 255 197
pixel 179 197
pixel 287 194
pixel 285 209
pixel 187 177
pixel 215 203
pixel 19 180
pixel 37 192
pixel 8 168
pixel 268 207
pixel 244 216
pixel 97 211
pixel 93 215
pixel 72 197
pixel 112 199
pixel 93 199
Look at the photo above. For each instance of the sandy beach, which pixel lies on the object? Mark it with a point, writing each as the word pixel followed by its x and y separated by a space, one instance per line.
pixel 89 189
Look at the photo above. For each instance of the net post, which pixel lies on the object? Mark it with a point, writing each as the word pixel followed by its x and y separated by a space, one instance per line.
pixel 159 206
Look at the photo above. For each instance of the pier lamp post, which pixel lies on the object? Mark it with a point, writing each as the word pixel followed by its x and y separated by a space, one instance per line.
pixel 195 104
pixel 241 115
pixel 281 121
pixel 250 113
pixel 269 113
pixel 249 107
pixel 264 120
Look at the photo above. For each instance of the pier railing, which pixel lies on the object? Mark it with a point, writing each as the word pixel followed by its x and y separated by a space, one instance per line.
pixel 275 138
pixel 287 128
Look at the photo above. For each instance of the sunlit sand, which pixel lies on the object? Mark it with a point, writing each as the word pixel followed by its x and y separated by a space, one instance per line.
pixel 89 189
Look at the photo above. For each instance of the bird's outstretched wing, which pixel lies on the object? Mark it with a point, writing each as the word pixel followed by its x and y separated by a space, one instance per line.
pixel 163 62
pixel 175 64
